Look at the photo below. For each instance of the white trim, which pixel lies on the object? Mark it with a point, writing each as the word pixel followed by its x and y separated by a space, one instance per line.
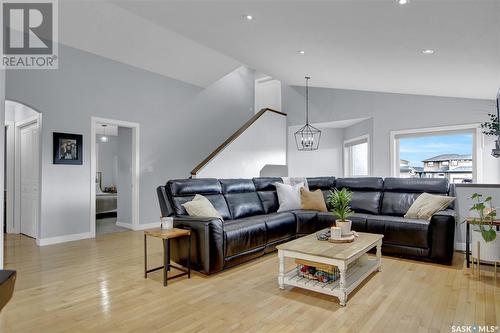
pixel 95 122
pixel 347 164
pixel 62 239
pixel 140 226
pixel 474 128
pixel 10 127
pixel 460 246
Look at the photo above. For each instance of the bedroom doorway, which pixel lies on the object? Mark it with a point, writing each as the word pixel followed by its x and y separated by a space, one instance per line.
pixel 114 171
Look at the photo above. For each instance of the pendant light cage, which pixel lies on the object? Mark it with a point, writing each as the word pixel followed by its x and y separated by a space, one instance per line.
pixel 308 136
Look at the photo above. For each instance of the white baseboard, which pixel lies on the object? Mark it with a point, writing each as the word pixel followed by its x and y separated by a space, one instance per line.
pixel 124 225
pixel 460 246
pixel 62 239
pixel 138 227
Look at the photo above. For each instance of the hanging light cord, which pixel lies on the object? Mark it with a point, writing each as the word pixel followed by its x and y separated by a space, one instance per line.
pixel 307 99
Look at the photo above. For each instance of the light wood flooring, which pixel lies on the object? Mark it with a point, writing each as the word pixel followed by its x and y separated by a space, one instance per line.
pixel 98 286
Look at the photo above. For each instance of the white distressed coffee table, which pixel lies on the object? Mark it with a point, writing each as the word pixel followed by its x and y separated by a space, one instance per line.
pixel 345 256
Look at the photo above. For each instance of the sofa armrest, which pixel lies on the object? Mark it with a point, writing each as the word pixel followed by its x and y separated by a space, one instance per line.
pixel 207 243
pixel 442 235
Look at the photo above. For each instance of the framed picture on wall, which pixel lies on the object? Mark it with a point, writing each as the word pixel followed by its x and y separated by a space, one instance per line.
pixel 68 148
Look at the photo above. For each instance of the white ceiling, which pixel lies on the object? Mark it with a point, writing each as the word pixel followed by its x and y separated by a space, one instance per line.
pixel 102 28
pixel 370 45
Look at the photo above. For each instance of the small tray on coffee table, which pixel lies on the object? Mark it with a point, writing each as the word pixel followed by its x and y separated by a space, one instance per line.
pixel 345 239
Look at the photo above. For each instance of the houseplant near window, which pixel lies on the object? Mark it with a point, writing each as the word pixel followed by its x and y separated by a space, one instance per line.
pixel 483 231
pixel 340 201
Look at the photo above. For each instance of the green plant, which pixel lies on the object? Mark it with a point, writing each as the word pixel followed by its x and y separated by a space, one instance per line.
pixel 486 216
pixel 340 201
pixel 491 128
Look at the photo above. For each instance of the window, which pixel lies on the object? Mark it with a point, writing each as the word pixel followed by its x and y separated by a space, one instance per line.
pixel 356 157
pixel 436 155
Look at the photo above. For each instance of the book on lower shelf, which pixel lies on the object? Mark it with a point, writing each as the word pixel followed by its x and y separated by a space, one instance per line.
pixel 317 271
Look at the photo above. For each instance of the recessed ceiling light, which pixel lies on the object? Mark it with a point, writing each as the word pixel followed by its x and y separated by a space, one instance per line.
pixel 301 52
pixel 248 17
pixel 428 51
pixel 402 2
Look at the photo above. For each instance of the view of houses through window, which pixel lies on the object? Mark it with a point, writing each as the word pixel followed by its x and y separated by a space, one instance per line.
pixel 437 156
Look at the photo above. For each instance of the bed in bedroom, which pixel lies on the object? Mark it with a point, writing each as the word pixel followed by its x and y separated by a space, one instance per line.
pixel 105 202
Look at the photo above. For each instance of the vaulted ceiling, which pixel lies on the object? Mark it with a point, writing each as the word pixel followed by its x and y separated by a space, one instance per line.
pixel 373 45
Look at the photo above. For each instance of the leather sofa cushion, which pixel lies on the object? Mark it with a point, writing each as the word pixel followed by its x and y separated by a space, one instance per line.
pixel 326 220
pixel 366 193
pixel 322 183
pixel 217 200
pixel 244 204
pixel 269 200
pixel 359 221
pixel 400 231
pixel 244 234
pixel 237 185
pixel 241 197
pixel 267 192
pixel 366 202
pixel 306 221
pixel 325 184
pixel 416 185
pixel 396 203
pixel 361 183
pixel 201 186
pixel 280 226
pixel 266 183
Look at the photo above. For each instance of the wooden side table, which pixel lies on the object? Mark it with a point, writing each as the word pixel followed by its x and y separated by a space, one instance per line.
pixel 468 222
pixel 166 235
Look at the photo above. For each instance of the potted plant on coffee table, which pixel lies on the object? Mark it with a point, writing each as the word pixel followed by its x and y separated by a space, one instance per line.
pixel 340 201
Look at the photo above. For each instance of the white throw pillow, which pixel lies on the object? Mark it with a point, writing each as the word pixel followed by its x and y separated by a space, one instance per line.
pixel 427 205
pixel 201 207
pixel 288 196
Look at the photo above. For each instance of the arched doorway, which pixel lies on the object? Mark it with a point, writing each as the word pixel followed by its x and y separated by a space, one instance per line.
pixel 22 169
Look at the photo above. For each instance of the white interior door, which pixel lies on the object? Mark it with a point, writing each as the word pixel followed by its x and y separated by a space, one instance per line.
pixel 29 148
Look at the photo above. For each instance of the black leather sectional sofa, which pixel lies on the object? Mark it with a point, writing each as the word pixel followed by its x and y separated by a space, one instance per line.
pixel 252 227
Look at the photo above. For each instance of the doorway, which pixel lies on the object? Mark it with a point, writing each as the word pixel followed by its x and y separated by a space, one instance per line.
pixel 114 176
pixel 22 169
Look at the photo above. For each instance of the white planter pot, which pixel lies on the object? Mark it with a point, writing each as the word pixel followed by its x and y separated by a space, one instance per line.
pixel 344 225
pixel 489 251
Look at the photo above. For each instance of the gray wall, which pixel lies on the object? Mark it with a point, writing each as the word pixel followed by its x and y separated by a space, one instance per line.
pixel 180 124
pixel 2 153
pixel 326 161
pixel 388 112
pixel 124 176
pixel 107 160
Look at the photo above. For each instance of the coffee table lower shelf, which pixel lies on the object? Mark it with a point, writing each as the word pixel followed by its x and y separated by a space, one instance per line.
pixel 354 276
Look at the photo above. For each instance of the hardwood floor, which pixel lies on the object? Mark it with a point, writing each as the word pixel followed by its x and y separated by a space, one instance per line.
pixel 98 286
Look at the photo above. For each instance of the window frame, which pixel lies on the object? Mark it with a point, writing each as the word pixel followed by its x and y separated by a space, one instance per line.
pixel 477 149
pixel 347 156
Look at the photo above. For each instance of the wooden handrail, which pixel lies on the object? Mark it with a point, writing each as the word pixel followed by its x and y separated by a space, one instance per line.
pixel 232 138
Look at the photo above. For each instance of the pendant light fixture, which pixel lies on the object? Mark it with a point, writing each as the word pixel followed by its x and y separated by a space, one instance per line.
pixel 307 138
pixel 104 138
